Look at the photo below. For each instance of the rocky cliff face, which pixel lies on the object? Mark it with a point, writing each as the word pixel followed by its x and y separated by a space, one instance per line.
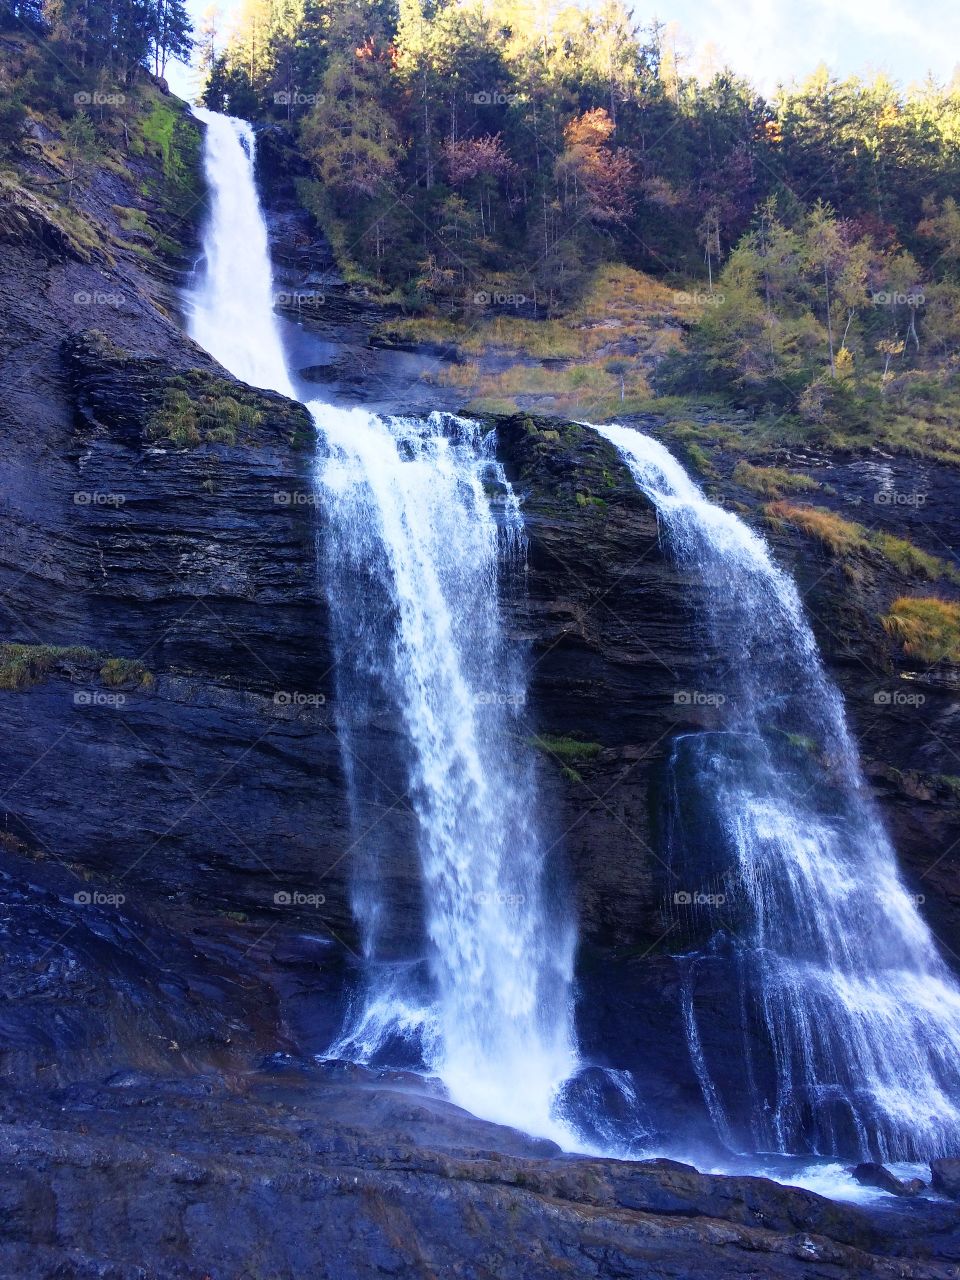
pixel 174 810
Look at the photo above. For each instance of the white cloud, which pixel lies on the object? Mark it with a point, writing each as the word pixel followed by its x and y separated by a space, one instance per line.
pixel 774 41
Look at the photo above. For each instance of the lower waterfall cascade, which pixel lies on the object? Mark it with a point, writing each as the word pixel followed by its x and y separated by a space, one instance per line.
pixel 861 1013
pixel 412 506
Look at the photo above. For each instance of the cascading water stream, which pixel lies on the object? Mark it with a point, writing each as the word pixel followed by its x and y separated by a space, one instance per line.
pixel 862 1016
pixel 412 504
pixel 232 313
pixel 422 523
pixel 861 1013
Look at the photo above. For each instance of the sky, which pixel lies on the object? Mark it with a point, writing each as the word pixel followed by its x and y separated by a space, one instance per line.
pixel 774 41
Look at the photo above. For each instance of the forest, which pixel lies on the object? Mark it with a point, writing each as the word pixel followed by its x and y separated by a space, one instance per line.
pixel 510 150
pixel 467 160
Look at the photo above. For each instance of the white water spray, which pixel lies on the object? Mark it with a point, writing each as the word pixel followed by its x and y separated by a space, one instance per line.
pixel 422 525
pixel 426 509
pixel 232 314
pixel 862 1015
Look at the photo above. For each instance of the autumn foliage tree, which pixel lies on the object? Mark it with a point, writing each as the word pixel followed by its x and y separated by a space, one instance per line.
pixel 595 176
pixel 533 141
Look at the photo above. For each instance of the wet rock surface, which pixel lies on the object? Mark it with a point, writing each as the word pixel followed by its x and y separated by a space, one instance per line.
pixel 297 1174
pixel 946 1177
pixel 870 1174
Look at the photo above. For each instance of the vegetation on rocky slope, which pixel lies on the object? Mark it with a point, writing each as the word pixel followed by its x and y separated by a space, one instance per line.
pixel 841 537
pixel 204 417
pixel 23 665
pixel 927 628
pixel 485 174
pixel 77 123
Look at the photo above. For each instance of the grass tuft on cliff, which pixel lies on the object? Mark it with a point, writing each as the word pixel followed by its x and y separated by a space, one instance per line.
pixel 189 420
pixel 772 482
pixel 120 671
pixel 839 536
pixel 845 537
pixel 24 665
pixel 926 627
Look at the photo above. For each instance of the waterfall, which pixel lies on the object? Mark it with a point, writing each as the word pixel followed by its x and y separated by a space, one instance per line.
pixel 231 313
pixel 423 535
pixel 840 971
pixel 424 510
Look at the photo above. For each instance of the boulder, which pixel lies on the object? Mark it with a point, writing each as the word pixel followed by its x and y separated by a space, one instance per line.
pixel 945 1176
pixel 871 1174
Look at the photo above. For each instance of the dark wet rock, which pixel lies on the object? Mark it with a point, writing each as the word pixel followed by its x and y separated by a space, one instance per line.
pixel 871 1174
pixel 346 1179
pixel 604 1108
pixel 945 1177
pixel 203 1151
pixel 321 372
pixel 96 985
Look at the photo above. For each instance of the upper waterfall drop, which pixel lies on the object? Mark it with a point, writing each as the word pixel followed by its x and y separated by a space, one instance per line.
pixel 861 1013
pixel 232 313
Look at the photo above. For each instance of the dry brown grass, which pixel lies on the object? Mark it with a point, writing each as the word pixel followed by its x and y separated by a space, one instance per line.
pixel 926 627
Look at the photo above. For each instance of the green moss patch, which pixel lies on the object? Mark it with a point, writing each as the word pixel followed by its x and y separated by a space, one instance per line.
pixel 24 665
pixel 202 417
pixel 566 751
